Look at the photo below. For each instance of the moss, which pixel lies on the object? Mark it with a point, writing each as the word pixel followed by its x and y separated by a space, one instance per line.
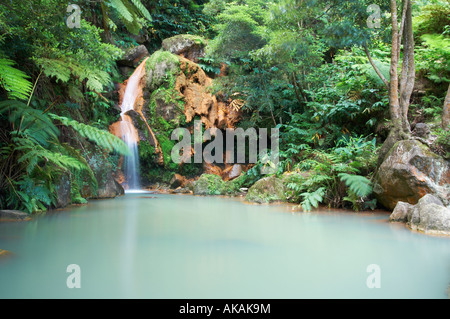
pixel 162 56
pixel 195 38
pixel 266 190
pixel 209 184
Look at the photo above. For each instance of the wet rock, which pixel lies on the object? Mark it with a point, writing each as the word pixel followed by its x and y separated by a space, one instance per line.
pixel 13 215
pixel 431 219
pixel 232 172
pixel 178 181
pixel 401 212
pixel 63 188
pixel 190 46
pixel 211 169
pixel 414 212
pixel 266 190
pixel 429 215
pixel 160 68
pixel 410 171
pixel 182 190
pixel 108 187
pixel 133 56
pixel 208 184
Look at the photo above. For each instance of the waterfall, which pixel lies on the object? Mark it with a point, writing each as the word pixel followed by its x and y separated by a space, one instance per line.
pixel 128 132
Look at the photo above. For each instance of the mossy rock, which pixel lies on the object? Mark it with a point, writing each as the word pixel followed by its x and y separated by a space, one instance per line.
pixel 191 46
pixel 209 184
pixel 162 69
pixel 266 190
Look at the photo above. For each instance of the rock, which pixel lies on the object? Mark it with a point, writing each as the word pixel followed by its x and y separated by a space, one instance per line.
pixel 232 172
pixel 159 68
pixel 208 184
pixel 422 130
pixel 178 181
pixel 410 171
pixel 182 190
pixel 133 56
pixel 108 187
pixel 432 219
pixel 401 212
pixel 268 189
pixel 211 169
pixel 414 213
pixel 63 188
pixel 13 216
pixel 429 215
pixel 4 253
pixel 190 46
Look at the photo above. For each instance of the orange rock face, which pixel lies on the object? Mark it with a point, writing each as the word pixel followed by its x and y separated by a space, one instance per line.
pixel 192 84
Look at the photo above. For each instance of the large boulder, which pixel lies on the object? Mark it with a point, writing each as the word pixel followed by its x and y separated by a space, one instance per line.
pixel 266 190
pixel 429 215
pixel 132 57
pixel 409 171
pixel 108 187
pixel 190 46
pixel 208 184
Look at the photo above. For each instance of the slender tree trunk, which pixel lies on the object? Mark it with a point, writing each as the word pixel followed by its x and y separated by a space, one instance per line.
pixel 400 91
pixel 446 111
pixel 408 69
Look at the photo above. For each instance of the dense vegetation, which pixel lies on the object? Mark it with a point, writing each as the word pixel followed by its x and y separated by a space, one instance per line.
pixel 314 69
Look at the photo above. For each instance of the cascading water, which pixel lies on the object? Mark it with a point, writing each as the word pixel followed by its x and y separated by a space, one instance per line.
pixel 128 131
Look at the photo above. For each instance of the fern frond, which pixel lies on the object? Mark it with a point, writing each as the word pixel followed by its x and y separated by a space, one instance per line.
pixel 360 185
pixel 14 81
pixel 142 10
pixel 313 199
pixel 102 138
pixel 121 9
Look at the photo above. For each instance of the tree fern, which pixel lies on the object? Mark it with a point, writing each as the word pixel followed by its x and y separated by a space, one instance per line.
pixel 100 137
pixel 360 185
pixel 14 81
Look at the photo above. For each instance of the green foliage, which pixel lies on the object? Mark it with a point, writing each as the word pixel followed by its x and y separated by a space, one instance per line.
pixel 177 17
pixel 433 56
pixel 102 138
pixel 14 81
pixel 332 176
pixel 313 199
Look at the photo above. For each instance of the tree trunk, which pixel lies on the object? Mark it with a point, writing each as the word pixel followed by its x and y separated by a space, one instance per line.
pixel 446 111
pixel 408 69
pixel 400 91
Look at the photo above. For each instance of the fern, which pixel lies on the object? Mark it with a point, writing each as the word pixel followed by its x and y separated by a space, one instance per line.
pixel 360 185
pixel 102 138
pixel 143 10
pixel 313 199
pixel 14 81
pixel 62 69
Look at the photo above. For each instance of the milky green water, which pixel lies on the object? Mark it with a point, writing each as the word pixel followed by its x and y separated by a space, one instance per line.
pixel 174 246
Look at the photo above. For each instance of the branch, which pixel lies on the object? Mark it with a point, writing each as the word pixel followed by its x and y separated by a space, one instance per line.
pixel 386 82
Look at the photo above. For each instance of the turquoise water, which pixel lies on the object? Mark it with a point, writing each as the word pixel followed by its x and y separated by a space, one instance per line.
pixel 175 246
